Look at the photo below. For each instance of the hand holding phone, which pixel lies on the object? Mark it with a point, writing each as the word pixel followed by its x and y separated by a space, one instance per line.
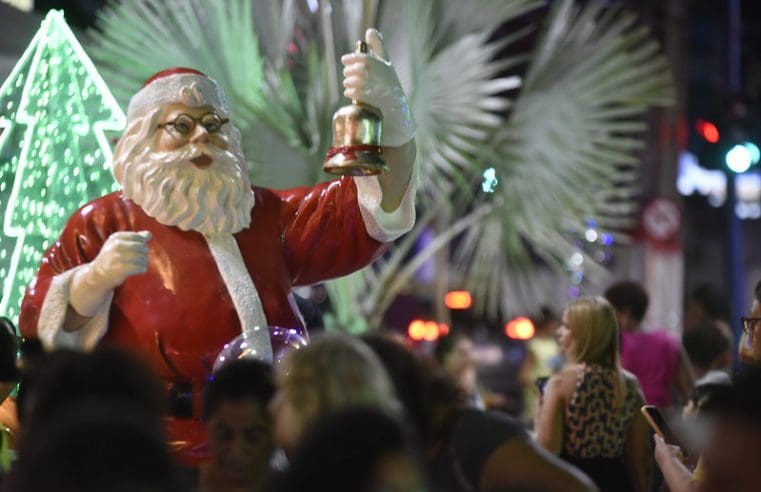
pixel 658 424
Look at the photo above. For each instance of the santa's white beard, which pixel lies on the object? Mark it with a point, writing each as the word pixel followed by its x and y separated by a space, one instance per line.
pixel 175 192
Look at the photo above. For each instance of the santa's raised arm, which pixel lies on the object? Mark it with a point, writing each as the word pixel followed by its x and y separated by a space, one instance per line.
pixel 188 255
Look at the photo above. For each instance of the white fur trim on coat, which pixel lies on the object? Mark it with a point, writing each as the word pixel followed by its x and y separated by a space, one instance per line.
pixel 381 225
pixel 53 313
pixel 187 88
pixel 241 288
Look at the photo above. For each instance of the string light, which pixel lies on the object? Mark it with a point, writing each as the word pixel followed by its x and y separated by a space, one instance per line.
pixel 54 152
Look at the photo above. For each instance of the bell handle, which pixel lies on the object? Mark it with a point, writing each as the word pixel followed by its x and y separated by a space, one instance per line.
pixel 359 47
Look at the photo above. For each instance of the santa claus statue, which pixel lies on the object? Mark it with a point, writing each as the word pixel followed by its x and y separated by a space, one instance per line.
pixel 188 255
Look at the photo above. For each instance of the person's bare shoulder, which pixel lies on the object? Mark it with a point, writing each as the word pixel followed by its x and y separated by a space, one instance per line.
pixel 630 377
pixel 632 380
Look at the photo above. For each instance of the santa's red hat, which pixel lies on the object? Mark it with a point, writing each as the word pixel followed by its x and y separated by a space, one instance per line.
pixel 177 85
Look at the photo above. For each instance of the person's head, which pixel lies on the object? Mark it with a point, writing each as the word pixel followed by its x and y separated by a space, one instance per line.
pixel 332 372
pixel 707 346
pixel 239 426
pixel 361 449
pixel 94 445
pixel 546 322
pixel 455 353
pixel 64 378
pixel 730 456
pixel 704 302
pixel 630 300
pixel 180 157
pixel 427 394
pixel 589 333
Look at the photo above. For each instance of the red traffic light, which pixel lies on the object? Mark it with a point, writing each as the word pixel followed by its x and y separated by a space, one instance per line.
pixel 708 131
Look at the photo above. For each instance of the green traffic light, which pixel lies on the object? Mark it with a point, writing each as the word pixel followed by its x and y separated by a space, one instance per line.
pixel 739 158
pixel 742 156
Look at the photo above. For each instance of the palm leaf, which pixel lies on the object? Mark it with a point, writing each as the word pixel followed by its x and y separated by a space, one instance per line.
pixel 450 69
pixel 463 18
pixel 567 152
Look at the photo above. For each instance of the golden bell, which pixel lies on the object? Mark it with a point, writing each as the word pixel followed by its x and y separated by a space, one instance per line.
pixel 356 149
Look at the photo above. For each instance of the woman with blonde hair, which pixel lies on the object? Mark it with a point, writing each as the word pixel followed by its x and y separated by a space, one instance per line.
pixel 334 372
pixel 589 411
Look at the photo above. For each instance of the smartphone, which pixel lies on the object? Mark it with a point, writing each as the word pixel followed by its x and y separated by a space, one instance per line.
pixel 658 423
pixel 541 383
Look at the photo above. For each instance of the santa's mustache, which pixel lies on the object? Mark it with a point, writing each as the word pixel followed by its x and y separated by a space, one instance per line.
pixel 221 159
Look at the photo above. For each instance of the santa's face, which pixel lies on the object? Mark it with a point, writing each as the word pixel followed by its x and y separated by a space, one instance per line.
pixel 184 167
pixel 177 131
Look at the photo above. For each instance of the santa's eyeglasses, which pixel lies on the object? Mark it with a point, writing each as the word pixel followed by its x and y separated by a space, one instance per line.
pixel 184 124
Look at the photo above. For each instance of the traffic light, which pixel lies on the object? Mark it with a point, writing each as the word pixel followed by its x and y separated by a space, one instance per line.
pixel 741 156
pixel 729 142
pixel 708 131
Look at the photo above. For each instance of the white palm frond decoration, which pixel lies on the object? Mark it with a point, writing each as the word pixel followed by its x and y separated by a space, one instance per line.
pixel 564 154
pixel 468 17
pixel 567 152
pixel 450 70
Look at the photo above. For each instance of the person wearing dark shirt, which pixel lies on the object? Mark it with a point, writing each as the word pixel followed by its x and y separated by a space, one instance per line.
pixel 467 449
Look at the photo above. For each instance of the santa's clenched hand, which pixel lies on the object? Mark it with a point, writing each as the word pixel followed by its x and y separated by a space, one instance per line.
pixel 123 254
pixel 370 78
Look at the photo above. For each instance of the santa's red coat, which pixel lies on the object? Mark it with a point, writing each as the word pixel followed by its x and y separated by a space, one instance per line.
pixel 179 314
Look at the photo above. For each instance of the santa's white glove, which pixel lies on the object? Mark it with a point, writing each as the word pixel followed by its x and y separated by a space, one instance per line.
pixel 369 78
pixel 123 254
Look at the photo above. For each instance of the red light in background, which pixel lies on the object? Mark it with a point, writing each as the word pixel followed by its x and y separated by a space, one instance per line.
pixel 443 329
pixel 458 299
pixel 520 328
pixel 708 131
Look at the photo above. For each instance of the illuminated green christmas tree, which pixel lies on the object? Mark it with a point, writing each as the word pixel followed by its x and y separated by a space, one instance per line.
pixel 54 152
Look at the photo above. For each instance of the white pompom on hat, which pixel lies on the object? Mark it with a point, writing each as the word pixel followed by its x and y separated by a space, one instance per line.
pixel 178 85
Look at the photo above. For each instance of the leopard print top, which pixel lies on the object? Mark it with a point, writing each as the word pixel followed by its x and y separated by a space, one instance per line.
pixel 593 427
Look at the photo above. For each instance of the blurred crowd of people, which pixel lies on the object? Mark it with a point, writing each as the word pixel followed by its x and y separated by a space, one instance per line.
pixel 375 413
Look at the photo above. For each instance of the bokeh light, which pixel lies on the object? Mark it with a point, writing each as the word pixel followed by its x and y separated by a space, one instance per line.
pixel 520 328
pixel 458 299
